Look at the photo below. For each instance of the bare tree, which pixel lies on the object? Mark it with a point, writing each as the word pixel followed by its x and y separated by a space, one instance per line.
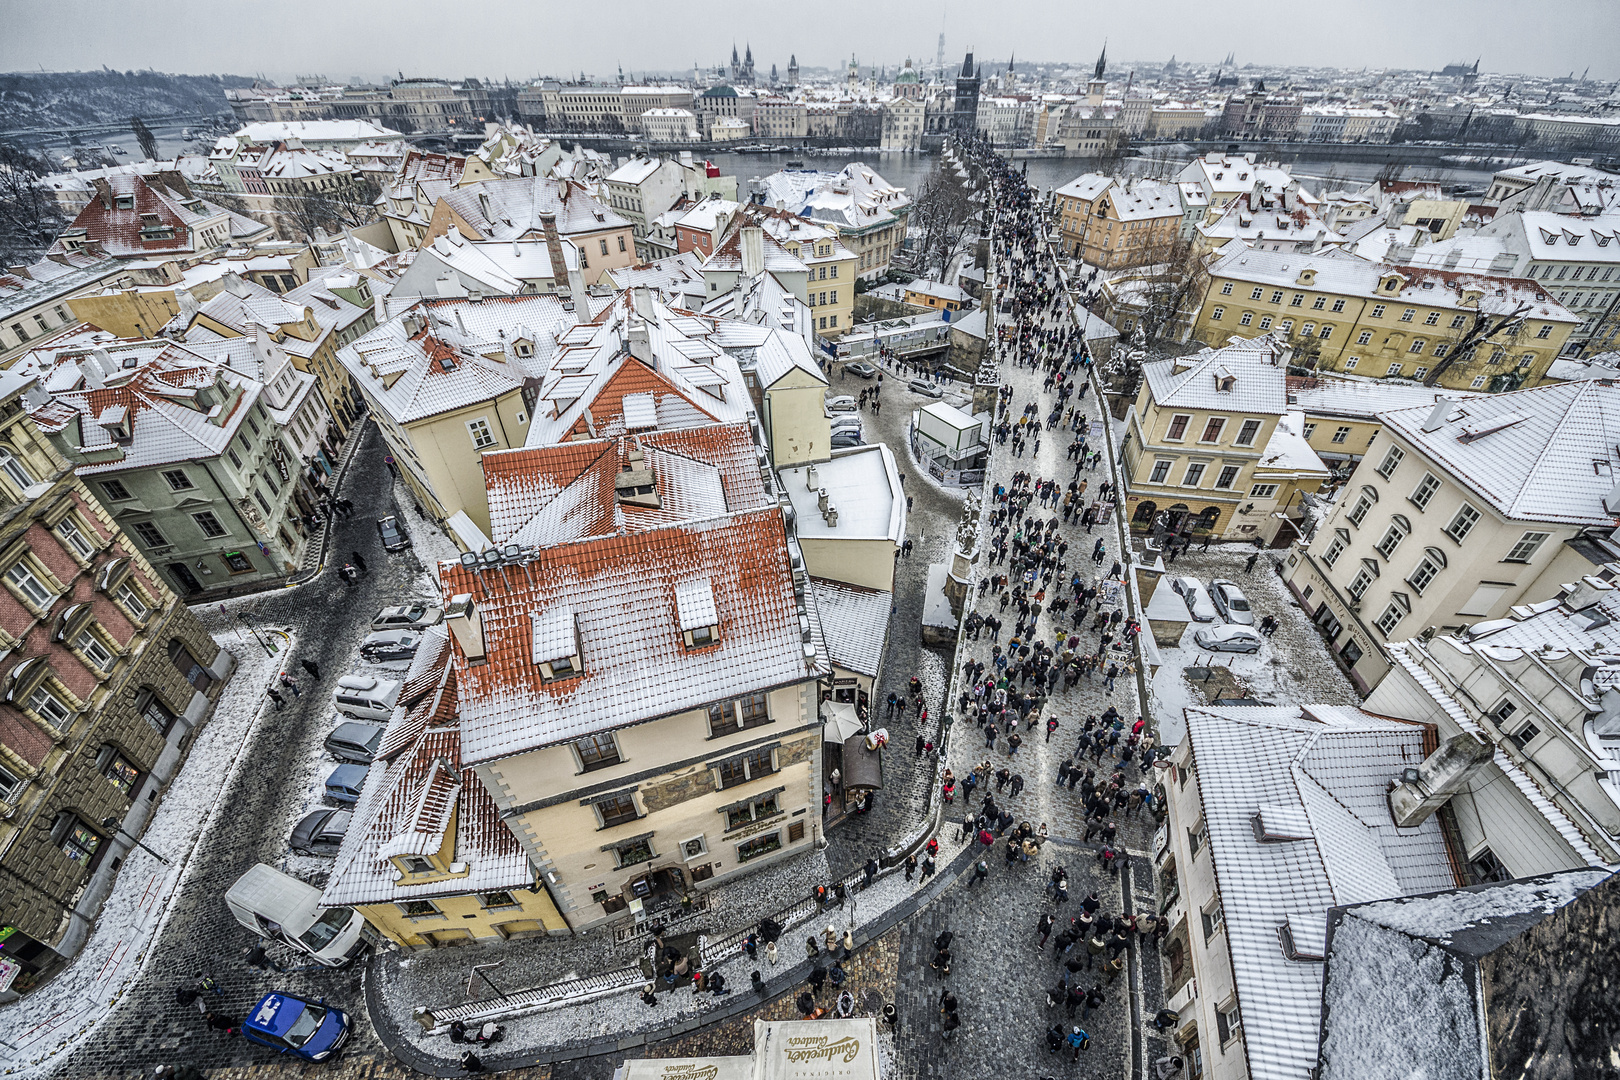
pixel 943 213
pixel 1169 288
pixel 348 206
pixel 1480 332
pixel 29 217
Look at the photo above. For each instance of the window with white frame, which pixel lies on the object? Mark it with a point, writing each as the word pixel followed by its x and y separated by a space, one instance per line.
pixel 1462 522
pixel 1228 475
pixel 1425 571
pixel 94 650
pixel 1390 540
pixel 45 704
pixel 132 600
pixel 1161 469
pixel 1360 584
pixel 16 470
pixel 1340 434
pixel 1394 369
pixel 1262 491
pixel 480 432
pixel 10 784
pixel 1358 513
pixel 1213 919
pixel 1334 550
pixel 1195 473
pixel 26 582
pixel 1527 546
pixel 1247 433
pixel 1392 461
pixel 74 538
pixel 1425 491
pixel 1391 616
pixel 1228 1022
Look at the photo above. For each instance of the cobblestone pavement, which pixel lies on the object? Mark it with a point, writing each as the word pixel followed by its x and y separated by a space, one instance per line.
pixel 148 1028
pixel 931 526
pixel 999 975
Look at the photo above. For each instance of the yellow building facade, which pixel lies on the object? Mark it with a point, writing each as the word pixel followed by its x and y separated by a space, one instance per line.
pixel 1362 319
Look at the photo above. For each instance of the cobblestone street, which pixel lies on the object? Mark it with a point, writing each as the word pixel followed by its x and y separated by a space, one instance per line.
pixel 147 1027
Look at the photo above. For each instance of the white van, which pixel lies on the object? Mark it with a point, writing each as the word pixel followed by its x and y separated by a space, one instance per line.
pixel 366 698
pixel 276 905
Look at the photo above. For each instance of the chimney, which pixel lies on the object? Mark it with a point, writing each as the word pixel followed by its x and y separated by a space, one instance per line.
pixel 467 625
pixel 90 368
pixel 1586 592
pixel 1423 790
pixel 483 204
pixel 1437 415
pixel 103 192
pixel 810 477
pixel 832 516
pixel 821 501
pixel 109 366
pixel 559 265
pixel 753 251
pixel 641 296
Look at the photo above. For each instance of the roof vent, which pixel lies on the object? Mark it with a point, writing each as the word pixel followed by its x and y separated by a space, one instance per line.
pixel 1438 415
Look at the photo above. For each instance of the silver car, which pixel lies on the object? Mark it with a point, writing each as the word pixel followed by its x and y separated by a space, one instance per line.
pixel 1192 592
pixel 1234 639
pixel 1230 602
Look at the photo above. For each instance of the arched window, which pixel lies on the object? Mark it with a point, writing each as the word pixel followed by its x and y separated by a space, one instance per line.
pixel 1144 513
pixel 1209 516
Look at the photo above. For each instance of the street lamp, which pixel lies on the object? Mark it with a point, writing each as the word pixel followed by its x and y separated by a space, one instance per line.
pixel 116 826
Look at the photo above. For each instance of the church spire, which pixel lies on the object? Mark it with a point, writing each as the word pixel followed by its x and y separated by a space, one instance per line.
pixel 1102 61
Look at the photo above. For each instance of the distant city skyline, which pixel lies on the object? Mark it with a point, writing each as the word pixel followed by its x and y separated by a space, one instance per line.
pixel 500 39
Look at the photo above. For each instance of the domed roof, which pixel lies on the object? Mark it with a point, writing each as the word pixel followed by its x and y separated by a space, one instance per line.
pixel 907 75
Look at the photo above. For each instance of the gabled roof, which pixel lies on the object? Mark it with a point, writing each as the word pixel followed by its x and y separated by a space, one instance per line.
pixel 150 404
pixel 155 209
pixel 1328 766
pixel 1193 382
pixel 509 209
pixel 1528 453
pixel 854 623
pixel 410 800
pixel 560 493
pixel 621 591
pixel 462 352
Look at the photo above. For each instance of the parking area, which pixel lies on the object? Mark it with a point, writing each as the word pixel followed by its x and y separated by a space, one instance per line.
pixel 1291 666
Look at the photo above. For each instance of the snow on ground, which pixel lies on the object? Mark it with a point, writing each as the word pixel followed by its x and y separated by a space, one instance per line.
pixel 431 543
pixel 1291 668
pixel 65 1010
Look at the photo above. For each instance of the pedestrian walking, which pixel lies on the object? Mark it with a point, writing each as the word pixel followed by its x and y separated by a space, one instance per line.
pixel 770 953
pixel 276 698
pixel 258 958
pixel 290 683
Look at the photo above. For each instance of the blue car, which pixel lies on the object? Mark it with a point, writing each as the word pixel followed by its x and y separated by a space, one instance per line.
pixel 311 1030
pixel 344 784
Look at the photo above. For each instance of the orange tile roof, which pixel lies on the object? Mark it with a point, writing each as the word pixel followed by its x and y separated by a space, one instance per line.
pixel 621 592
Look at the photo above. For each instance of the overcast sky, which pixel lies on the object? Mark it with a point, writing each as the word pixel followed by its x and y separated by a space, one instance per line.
pixel 508 38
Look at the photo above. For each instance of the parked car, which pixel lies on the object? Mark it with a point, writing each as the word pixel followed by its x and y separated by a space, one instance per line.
pixel 366 698
pixel 1230 602
pixel 275 905
pixel 393 537
pixel 345 783
pixel 321 832
pixel 354 742
pixel 407 617
pixel 1239 639
pixel 385 645
pixel 840 423
pixel 1197 600
pixel 841 403
pixel 860 368
pixel 312 1030
pixel 843 440
pixel 925 389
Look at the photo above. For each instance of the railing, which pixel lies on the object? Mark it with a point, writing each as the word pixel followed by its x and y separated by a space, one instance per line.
pixel 538 999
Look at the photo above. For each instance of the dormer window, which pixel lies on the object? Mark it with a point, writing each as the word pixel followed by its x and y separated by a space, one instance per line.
pixel 124 202
pixel 696 614
pixel 523 348
pixel 556 644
